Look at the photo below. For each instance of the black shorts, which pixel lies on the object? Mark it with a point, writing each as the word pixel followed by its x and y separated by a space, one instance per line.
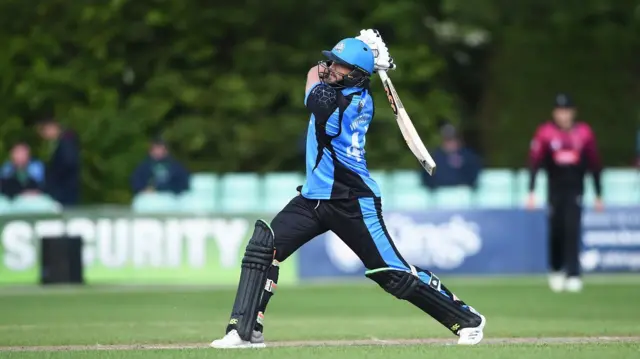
pixel 358 222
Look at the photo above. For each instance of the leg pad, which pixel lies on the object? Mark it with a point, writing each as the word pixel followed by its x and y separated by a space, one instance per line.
pixel 257 259
pixel 432 297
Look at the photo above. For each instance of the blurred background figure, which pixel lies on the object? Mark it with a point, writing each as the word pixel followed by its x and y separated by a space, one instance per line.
pixel 62 180
pixel 302 148
pixel 565 149
pixel 160 172
pixel 21 174
pixel 457 165
pixel 638 149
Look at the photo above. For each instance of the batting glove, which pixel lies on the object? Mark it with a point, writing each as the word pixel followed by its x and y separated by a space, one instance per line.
pixel 382 60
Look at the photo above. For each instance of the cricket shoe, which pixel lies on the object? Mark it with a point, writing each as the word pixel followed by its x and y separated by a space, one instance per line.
pixel 557 281
pixel 233 341
pixel 472 336
pixel 573 285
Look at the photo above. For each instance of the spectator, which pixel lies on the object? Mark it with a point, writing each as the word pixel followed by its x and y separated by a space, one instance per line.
pixel 62 174
pixel 160 172
pixel 302 149
pixel 638 149
pixel 456 164
pixel 21 174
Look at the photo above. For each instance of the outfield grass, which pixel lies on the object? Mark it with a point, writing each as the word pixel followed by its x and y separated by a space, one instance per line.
pixel 516 307
pixel 582 351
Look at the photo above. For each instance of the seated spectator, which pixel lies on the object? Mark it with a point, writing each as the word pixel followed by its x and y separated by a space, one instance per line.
pixel 160 172
pixel 638 150
pixel 21 174
pixel 456 164
pixel 62 181
pixel 302 150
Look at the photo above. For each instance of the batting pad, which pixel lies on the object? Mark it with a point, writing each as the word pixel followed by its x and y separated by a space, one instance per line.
pixel 429 297
pixel 257 259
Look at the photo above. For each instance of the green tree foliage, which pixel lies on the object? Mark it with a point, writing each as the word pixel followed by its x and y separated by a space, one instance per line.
pixel 589 48
pixel 223 81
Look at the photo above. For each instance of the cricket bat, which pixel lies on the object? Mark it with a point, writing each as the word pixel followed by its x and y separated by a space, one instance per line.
pixel 406 126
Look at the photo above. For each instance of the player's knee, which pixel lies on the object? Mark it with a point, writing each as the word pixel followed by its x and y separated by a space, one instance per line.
pixel 259 252
pixel 281 256
pixel 398 283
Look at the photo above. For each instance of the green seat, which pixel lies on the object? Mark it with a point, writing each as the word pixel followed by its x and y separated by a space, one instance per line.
pixel 405 179
pixel 240 193
pixel 496 189
pixel 198 202
pixel 155 202
pixel 453 197
pixel 416 199
pixel 589 195
pixel 522 187
pixel 621 187
pixel 34 203
pixel 405 191
pixel 5 205
pixel 280 188
pixel 204 183
pixel 381 179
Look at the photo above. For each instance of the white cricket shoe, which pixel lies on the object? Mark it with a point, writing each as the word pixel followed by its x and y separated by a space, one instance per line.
pixel 472 336
pixel 233 341
pixel 573 285
pixel 557 281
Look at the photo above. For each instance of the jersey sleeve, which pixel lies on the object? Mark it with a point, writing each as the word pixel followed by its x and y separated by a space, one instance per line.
pixel 322 101
pixel 306 95
pixel 593 158
pixel 537 152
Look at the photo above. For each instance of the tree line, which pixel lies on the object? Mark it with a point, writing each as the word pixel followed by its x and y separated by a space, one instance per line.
pixel 223 82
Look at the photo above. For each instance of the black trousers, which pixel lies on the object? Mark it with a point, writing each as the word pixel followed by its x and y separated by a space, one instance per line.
pixel 358 222
pixel 565 232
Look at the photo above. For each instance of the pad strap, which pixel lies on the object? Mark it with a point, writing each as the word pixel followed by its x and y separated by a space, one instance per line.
pixel 271 285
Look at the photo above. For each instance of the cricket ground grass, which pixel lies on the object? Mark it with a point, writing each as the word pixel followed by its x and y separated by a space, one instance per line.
pixel 349 320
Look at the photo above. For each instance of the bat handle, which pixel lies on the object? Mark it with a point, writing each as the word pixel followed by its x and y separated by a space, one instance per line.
pixel 383 75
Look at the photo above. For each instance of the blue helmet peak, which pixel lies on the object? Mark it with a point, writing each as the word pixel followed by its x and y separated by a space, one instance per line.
pixel 352 52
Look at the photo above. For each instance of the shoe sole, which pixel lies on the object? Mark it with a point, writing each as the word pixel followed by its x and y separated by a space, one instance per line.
pixel 478 339
pixel 479 335
pixel 240 346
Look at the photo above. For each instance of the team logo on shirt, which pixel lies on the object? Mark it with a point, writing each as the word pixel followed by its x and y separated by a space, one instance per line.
pixel 566 157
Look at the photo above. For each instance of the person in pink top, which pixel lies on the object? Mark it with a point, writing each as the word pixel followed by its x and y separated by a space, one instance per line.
pixel 566 149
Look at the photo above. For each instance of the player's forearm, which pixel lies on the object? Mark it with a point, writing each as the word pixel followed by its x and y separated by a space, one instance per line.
pixel 533 171
pixel 535 159
pixel 537 153
pixel 595 164
pixel 313 77
pixel 597 184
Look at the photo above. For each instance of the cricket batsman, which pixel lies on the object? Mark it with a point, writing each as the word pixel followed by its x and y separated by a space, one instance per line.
pixel 339 195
